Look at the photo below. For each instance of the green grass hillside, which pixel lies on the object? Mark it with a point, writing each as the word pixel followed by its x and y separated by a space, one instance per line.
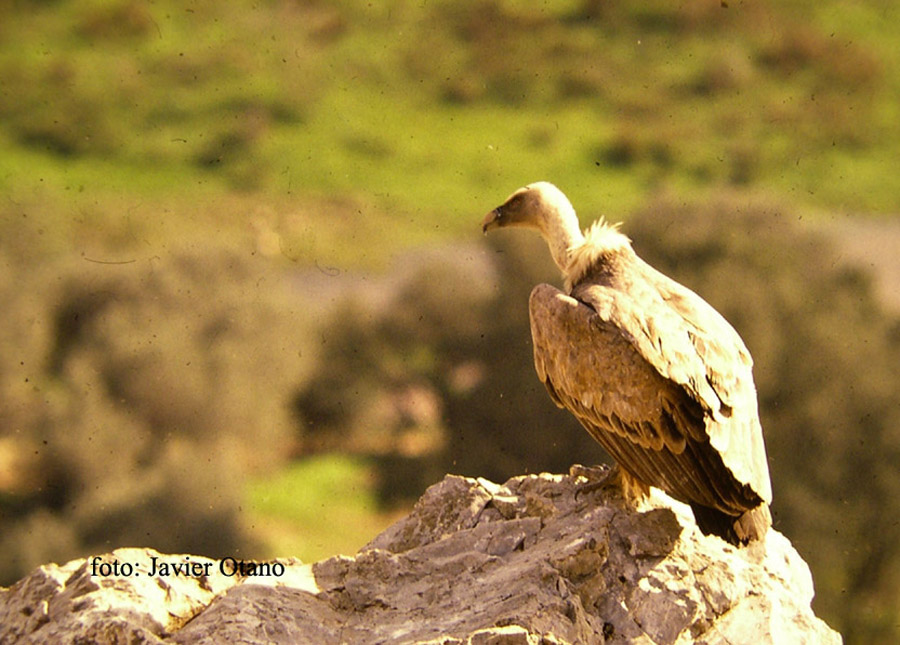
pixel 353 129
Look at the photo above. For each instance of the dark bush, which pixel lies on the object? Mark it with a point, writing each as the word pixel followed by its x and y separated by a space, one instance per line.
pixel 456 328
pixel 136 397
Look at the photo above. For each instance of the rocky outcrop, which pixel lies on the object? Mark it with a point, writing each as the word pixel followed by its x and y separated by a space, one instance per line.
pixel 531 561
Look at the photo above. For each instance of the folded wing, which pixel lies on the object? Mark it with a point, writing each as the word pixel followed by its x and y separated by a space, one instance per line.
pixel 663 393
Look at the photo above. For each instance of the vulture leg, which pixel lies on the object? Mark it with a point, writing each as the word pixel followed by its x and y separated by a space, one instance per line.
pixel 618 481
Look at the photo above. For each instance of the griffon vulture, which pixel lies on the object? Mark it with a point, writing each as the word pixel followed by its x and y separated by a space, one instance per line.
pixel 654 373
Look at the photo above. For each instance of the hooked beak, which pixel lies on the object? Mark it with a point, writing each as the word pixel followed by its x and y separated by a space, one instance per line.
pixel 491 220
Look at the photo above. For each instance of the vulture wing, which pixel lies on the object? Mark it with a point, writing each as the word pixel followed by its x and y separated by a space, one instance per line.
pixel 659 378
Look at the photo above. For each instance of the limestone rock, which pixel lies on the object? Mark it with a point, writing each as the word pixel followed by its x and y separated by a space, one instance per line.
pixel 527 562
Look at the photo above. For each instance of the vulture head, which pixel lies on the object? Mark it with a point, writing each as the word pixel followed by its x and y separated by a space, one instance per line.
pixel 540 205
pixel 543 207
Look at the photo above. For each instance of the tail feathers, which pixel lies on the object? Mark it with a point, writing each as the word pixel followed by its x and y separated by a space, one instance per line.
pixel 738 530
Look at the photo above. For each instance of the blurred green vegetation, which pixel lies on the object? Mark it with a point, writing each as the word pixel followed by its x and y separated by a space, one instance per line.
pixel 301 509
pixel 218 338
pixel 115 114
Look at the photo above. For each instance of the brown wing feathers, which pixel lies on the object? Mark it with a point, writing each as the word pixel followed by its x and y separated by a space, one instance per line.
pixel 694 474
pixel 648 424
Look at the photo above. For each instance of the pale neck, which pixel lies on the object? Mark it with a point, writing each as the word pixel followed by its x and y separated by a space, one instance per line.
pixel 562 233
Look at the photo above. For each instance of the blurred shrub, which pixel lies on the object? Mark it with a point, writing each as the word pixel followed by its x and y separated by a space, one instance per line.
pixel 438 375
pixel 70 124
pixel 125 20
pixel 457 330
pixel 135 399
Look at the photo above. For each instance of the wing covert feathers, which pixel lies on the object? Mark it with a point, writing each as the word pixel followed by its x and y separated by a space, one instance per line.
pixel 690 343
pixel 651 376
